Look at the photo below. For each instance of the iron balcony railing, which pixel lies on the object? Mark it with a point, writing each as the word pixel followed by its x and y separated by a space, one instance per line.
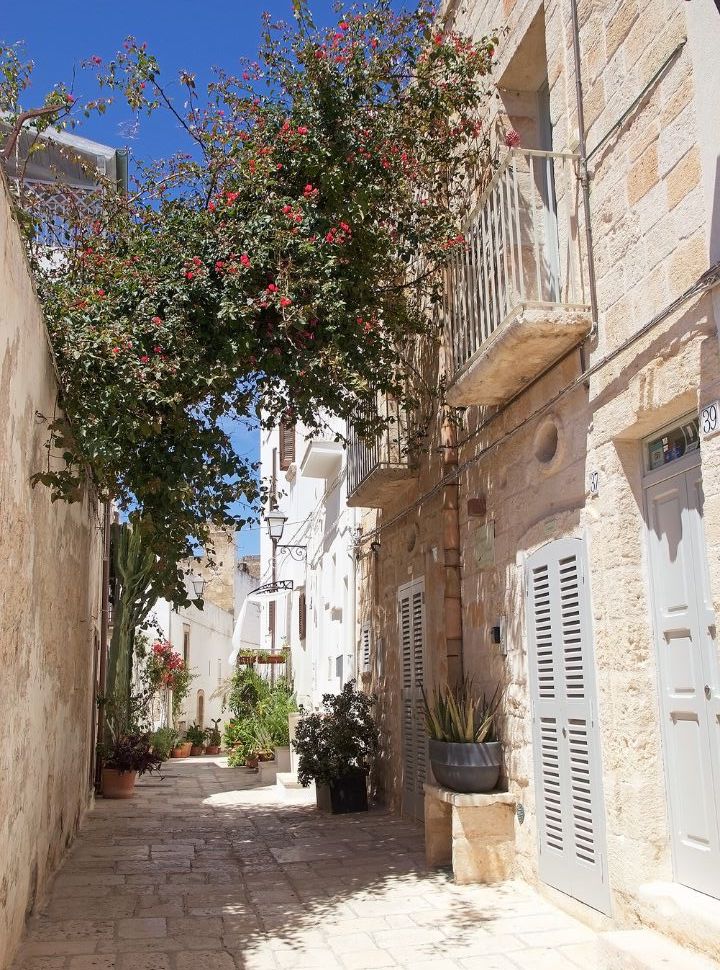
pixel 521 249
pixel 387 451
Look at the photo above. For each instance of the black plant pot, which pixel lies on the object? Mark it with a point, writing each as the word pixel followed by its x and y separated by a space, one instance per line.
pixel 466 767
pixel 345 794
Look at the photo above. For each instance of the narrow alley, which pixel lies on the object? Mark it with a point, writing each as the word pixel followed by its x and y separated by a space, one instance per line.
pixel 205 869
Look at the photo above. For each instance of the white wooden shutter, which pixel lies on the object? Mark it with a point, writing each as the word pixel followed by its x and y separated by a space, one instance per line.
pixel 365 648
pixel 570 806
pixel 411 622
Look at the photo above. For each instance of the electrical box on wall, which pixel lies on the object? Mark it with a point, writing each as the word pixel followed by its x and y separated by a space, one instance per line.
pixel 498 636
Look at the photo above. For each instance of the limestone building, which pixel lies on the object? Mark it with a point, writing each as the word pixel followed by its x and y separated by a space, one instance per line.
pixel 558 530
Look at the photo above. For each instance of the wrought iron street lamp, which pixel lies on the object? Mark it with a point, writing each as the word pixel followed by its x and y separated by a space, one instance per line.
pixel 275 523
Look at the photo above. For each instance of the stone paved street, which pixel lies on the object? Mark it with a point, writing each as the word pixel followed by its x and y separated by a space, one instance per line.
pixel 205 869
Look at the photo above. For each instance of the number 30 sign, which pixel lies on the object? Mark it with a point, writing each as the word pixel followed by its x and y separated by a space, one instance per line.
pixel 710 419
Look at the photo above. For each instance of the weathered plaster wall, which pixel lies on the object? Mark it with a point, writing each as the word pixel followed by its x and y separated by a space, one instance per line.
pixel 49 614
pixel 652 222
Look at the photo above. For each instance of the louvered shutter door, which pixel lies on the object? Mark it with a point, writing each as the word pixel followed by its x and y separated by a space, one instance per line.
pixel 570 806
pixel 287 444
pixel 302 616
pixel 411 617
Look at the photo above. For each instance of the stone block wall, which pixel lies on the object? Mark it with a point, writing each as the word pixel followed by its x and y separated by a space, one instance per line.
pixel 49 613
pixel 654 224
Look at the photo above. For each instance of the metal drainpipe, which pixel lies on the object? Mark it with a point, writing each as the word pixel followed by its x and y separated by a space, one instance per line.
pixel 584 180
pixel 452 601
pixel 104 627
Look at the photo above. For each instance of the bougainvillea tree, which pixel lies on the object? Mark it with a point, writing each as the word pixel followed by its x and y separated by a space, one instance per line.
pixel 280 264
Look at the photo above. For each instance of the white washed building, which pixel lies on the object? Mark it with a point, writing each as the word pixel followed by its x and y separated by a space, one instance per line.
pixel 316 619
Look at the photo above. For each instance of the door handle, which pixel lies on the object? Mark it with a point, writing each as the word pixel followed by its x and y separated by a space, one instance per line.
pixel 708 692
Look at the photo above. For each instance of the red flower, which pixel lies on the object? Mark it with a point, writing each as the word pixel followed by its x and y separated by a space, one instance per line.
pixel 343 25
pixel 116 350
pixel 157 350
pixel 512 138
pixel 157 321
pixel 219 264
pixel 271 288
pixel 309 190
pixel 373 42
pixel 95 59
pixel 211 206
pixel 345 227
pixel 144 359
pixel 287 209
pixel 70 99
pixel 245 260
pixel 101 292
pixel 189 275
pixel 302 130
pixel 197 261
pixel 231 196
pixel 330 236
pixel 285 301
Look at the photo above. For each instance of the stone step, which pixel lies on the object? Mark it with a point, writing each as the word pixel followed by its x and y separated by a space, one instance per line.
pixel 647 950
pixel 286 779
pixel 689 917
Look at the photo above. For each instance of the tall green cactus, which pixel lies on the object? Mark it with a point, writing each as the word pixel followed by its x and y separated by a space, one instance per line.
pixel 133 565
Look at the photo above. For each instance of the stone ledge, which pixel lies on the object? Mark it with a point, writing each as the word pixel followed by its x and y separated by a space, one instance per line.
pixel 469 801
pixel 647 950
pixel 688 916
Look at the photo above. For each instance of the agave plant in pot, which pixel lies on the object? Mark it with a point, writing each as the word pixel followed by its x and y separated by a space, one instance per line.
pixel 213 737
pixel 465 753
pixel 335 747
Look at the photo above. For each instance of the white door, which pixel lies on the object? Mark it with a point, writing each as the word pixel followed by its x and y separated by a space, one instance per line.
pixel 566 749
pixel 411 623
pixel 689 678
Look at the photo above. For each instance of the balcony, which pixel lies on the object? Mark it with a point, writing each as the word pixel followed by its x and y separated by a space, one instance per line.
pixel 378 469
pixel 515 299
pixel 322 458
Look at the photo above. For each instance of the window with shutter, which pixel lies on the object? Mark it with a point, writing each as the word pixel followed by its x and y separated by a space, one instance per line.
pixel 302 616
pixel 365 641
pixel 565 733
pixel 411 622
pixel 287 443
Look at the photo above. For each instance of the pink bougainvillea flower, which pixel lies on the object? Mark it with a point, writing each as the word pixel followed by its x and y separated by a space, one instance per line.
pixel 512 138
pixel 157 321
pixel 157 350
pixel 116 350
pixel 144 359
pixel 95 59
pixel 285 301
pixel 343 25
pixel 101 292
pixel 219 264
pixel 287 209
pixel 231 196
pixel 302 130
pixel 197 261
pixel 189 275
pixel 211 206
pixel 245 259
pixel 271 288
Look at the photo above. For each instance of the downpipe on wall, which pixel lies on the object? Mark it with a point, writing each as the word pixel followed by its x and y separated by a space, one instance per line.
pixel 452 595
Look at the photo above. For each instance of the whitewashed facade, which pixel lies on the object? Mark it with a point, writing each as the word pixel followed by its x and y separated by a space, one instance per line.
pixel 317 618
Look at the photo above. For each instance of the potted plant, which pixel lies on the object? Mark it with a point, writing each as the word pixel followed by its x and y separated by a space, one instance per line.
pixel 465 754
pixel 196 736
pixel 251 760
pixel 335 747
pixel 164 741
pixel 213 738
pixel 129 755
pixel 181 749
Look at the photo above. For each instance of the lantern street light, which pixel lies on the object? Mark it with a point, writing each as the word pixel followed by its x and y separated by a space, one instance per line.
pixel 275 523
pixel 198 584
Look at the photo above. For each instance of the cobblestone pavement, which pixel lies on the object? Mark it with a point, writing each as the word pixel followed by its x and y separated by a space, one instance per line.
pixel 205 870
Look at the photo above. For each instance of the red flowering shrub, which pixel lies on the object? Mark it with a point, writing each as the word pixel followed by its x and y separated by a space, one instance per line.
pixel 324 184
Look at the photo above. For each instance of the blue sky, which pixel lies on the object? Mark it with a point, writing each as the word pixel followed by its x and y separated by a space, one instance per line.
pixel 182 34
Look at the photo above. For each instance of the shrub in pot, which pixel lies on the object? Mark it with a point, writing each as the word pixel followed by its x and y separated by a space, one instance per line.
pixel 130 755
pixel 182 749
pixel 335 748
pixel 164 741
pixel 196 736
pixel 465 754
pixel 213 738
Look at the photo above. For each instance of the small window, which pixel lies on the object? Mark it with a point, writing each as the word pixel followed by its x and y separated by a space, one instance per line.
pixel 339 667
pixel 186 644
pixel 287 443
pixel 200 708
pixel 219 672
pixel 365 641
pixel 672 443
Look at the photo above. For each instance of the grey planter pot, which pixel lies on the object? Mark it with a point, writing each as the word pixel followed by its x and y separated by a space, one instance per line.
pixel 466 767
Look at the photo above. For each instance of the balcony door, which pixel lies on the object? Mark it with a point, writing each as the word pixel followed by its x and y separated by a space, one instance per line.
pixel 550 269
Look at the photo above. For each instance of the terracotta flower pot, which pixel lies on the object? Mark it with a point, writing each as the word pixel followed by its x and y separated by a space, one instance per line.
pixel 251 761
pixel 118 784
pixel 182 750
pixel 196 750
pixel 212 749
